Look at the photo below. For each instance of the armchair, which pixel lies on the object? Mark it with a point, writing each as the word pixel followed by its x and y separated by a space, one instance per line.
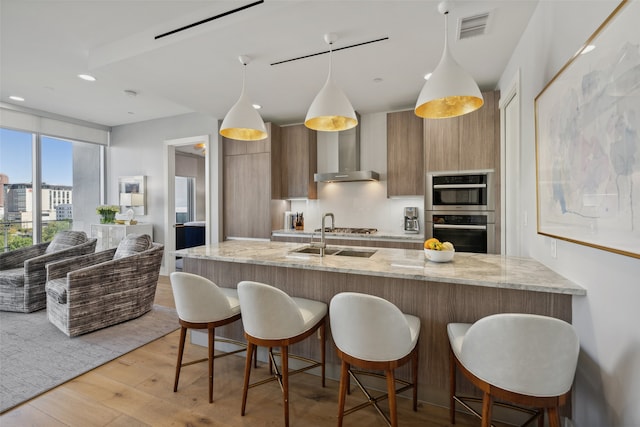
pixel 23 274
pixel 102 289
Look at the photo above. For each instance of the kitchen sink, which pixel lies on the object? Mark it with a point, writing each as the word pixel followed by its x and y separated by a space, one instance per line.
pixel 315 251
pixel 360 254
pixel 334 251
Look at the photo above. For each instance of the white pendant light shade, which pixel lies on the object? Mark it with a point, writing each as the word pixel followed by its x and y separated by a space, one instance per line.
pixel 451 91
pixel 243 122
pixel 330 110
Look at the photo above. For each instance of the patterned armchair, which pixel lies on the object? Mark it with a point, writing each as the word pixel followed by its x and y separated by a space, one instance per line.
pixel 102 289
pixel 23 273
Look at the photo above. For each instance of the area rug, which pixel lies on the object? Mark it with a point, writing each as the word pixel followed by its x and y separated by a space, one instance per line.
pixel 35 356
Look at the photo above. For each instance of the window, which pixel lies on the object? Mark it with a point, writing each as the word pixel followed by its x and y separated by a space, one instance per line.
pixel 185 199
pixel 61 195
pixel 16 201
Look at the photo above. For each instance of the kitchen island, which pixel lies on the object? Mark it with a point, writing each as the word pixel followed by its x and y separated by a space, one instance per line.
pixel 468 288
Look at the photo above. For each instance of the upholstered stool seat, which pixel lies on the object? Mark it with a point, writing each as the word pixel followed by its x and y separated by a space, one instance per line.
pixel 372 333
pixel 521 359
pixel 201 304
pixel 271 318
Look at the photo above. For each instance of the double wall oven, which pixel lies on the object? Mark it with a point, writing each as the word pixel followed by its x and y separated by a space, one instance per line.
pixel 460 208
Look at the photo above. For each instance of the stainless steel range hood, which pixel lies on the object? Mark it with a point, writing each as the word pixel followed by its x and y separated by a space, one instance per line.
pixel 348 160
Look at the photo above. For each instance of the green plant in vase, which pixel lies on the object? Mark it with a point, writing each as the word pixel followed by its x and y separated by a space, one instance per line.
pixel 107 213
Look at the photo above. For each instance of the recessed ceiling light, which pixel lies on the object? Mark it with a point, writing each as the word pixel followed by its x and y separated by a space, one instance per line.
pixel 427 76
pixel 16 98
pixel 87 77
pixel 587 49
pixel 256 106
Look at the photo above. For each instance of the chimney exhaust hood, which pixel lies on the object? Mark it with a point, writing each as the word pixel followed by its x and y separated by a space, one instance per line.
pixel 348 160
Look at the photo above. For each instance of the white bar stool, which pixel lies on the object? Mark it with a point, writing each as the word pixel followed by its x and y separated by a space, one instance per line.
pixel 201 304
pixel 524 359
pixel 271 318
pixel 372 333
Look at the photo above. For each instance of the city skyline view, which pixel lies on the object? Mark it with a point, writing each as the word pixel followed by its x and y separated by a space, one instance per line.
pixel 15 158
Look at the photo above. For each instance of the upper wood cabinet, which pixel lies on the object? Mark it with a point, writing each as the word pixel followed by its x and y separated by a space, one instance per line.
pixel 471 141
pixel 405 169
pixel 251 180
pixel 299 162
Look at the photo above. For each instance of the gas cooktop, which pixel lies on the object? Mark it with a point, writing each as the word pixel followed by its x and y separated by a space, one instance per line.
pixel 348 230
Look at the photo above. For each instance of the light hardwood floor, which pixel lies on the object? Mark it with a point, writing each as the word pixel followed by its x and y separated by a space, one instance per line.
pixel 136 389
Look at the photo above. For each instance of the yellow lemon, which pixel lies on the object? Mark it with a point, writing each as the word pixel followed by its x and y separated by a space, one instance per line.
pixel 428 243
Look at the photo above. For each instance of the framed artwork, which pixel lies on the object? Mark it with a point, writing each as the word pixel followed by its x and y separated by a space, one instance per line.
pixel 132 194
pixel 588 141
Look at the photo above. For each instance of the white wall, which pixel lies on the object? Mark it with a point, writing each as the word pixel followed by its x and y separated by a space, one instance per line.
pixel 138 149
pixel 607 388
pixel 358 204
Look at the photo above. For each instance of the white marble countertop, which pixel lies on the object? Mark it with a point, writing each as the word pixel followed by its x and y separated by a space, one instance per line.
pixel 471 269
pixel 378 235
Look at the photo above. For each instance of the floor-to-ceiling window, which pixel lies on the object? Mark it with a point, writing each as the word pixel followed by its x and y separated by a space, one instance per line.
pixel 48 184
pixel 16 182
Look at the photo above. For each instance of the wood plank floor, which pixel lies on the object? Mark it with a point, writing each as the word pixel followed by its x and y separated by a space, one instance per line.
pixel 136 389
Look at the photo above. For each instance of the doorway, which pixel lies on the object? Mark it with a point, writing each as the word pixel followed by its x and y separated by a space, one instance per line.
pixel 171 147
pixel 511 226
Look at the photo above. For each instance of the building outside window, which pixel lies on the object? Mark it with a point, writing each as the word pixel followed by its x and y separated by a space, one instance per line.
pixel 69 172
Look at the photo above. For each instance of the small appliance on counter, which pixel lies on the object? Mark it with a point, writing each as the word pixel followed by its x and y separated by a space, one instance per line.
pixel 411 222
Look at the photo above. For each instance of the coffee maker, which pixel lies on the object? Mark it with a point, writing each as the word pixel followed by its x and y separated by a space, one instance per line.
pixel 411 222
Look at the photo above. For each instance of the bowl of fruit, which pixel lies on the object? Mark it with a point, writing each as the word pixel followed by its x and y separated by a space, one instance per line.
pixel 437 251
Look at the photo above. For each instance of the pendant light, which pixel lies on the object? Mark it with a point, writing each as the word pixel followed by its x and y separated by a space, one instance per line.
pixel 243 122
pixel 451 91
pixel 330 110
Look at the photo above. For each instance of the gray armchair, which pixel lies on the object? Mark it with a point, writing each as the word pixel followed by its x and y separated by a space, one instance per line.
pixel 105 288
pixel 23 273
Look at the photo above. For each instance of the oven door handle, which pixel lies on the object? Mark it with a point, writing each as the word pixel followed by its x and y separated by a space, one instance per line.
pixel 460 227
pixel 447 186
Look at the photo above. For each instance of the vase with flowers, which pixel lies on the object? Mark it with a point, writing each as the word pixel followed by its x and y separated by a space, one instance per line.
pixel 107 213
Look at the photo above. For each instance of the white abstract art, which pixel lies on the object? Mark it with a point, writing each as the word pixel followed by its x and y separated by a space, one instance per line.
pixel 588 141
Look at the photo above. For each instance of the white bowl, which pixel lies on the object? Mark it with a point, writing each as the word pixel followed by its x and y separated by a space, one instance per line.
pixel 438 256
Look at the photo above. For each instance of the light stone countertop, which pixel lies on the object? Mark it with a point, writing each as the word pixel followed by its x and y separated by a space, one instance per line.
pixel 494 271
pixel 378 235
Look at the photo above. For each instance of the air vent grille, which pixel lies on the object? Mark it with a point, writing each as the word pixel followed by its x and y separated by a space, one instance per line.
pixel 472 26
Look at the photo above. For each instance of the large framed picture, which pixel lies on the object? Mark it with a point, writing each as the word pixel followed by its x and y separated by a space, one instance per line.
pixel 588 140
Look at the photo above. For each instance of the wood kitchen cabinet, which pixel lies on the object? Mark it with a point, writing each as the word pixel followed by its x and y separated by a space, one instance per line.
pixel 251 181
pixel 471 141
pixel 405 167
pixel 299 162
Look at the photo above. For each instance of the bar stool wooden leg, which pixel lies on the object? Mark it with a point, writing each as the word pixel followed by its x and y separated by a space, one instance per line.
pixel 247 372
pixel 211 338
pixel 285 382
pixel 183 336
pixel 487 401
pixel 554 417
pixel 391 390
pixel 344 384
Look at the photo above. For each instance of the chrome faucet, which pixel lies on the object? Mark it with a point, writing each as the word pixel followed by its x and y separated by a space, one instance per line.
pixel 322 245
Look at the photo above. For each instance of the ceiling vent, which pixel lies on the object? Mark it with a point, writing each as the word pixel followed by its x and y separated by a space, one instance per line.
pixel 472 26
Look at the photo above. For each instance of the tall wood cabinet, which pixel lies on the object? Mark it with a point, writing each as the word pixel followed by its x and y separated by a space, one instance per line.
pixel 467 142
pixel 405 168
pixel 249 185
pixel 299 162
